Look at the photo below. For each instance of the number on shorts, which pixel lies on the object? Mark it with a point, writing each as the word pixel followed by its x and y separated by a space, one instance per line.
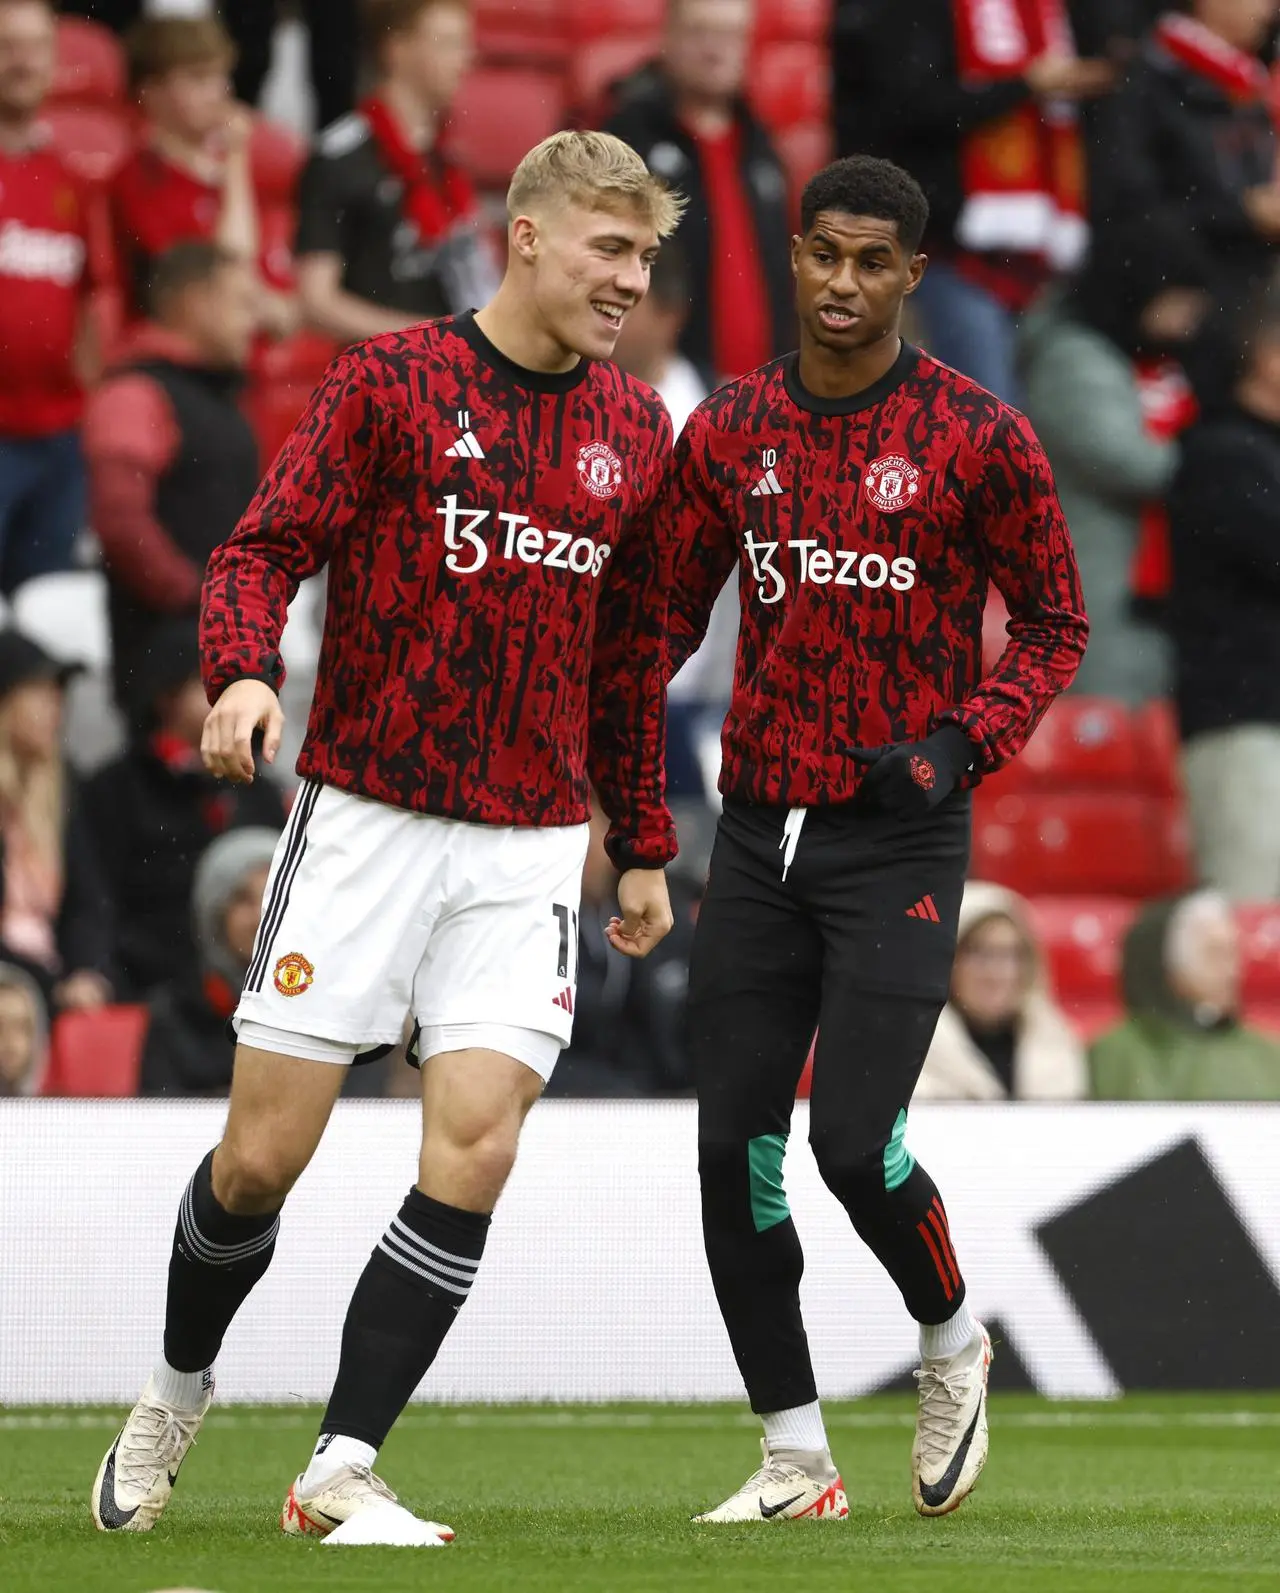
pixel 568 922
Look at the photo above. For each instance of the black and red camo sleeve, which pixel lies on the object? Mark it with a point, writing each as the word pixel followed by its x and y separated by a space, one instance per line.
pixel 702 546
pixel 627 729
pixel 315 488
pixel 1031 562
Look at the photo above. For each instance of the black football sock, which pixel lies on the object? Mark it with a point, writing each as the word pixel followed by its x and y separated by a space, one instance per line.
pixel 404 1304
pixel 217 1258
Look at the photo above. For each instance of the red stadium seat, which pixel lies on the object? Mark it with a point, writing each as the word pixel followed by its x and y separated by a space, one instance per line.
pixel 91 69
pixel 1118 843
pixel 1260 946
pixel 96 1053
pixel 521 30
pixel 1082 937
pixel 1156 746
pixel 593 19
pixel 1082 742
pixel 1266 1018
pixel 499 115
pixel 791 83
pixel 594 66
pixel 92 139
pixel 805 149
pixel 278 155
pixel 806 20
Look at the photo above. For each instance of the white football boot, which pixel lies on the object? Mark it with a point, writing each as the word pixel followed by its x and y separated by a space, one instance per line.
pixel 784 1491
pixel 138 1472
pixel 354 1506
pixel 950 1449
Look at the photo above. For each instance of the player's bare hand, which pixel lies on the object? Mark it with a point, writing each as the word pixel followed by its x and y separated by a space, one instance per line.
pixel 227 743
pixel 646 912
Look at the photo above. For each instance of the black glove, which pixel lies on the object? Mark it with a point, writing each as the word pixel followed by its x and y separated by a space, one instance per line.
pixel 910 779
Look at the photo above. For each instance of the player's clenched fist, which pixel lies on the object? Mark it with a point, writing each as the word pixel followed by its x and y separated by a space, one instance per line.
pixel 227 743
pixel 646 912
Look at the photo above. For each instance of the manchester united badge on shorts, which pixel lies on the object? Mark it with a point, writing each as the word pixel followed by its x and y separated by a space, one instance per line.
pixel 293 974
pixel 891 482
pixel 599 469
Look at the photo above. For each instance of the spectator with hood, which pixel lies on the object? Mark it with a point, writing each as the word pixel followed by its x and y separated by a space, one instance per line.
pixel 156 809
pixel 1183 1038
pixel 188 1050
pixel 24 1033
pixel 1108 398
pixel 686 114
pixel 1188 148
pixel 1001 1035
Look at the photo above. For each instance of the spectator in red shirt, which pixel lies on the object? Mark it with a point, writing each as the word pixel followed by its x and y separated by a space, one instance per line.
pixel 192 176
pixel 687 117
pixel 172 461
pixel 47 268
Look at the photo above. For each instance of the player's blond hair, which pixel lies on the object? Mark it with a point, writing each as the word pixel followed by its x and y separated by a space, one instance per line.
pixel 596 170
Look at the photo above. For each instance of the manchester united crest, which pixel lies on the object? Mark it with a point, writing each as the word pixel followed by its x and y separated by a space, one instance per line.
pixel 293 974
pixel 892 482
pixel 599 469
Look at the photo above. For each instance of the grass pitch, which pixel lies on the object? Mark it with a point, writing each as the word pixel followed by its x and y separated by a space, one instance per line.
pixel 1151 1495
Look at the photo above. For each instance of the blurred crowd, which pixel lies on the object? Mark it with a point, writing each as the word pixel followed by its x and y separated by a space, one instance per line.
pixel 176 269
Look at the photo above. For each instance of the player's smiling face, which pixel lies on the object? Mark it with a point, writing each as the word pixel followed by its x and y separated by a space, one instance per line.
pixel 592 269
pixel 852 274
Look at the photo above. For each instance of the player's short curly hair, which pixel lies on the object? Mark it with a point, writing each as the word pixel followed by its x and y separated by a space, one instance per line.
pixel 861 185
pixel 594 169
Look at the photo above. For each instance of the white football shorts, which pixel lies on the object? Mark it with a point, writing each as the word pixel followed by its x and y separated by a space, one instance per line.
pixel 373 914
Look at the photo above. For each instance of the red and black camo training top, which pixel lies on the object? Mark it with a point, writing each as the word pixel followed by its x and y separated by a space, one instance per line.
pixel 865 532
pixel 494 630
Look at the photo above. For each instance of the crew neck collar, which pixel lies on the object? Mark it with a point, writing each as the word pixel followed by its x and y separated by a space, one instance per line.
pixel 518 375
pixel 853 403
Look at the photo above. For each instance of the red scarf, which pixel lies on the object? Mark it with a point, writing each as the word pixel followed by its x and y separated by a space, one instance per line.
pixel 1241 76
pixel 437 194
pixel 1168 408
pixel 1024 172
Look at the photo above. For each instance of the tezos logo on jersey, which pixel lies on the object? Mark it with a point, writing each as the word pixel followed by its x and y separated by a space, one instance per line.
pixel 820 566
pixel 516 539
pixel 599 469
pixel 891 482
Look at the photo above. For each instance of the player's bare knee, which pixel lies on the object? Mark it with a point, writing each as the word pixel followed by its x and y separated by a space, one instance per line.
pixel 252 1178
